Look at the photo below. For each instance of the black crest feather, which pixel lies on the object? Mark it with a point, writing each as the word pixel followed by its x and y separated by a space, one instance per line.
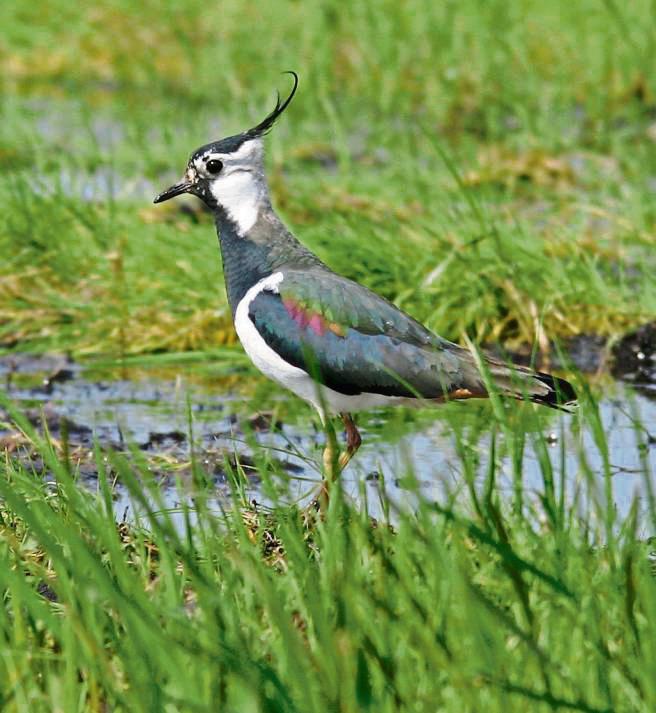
pixel 265 125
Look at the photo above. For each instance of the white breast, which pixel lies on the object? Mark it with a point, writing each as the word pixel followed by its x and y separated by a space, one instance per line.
pixel 261 354
pixel 289 376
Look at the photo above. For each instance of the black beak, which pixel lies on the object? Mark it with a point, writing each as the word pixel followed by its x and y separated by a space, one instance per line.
pixel 176 190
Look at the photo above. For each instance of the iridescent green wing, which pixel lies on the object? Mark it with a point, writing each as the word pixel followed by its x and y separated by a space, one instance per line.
pixel 355 341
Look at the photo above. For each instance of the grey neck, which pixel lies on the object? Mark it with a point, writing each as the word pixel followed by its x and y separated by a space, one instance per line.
pixel 267 247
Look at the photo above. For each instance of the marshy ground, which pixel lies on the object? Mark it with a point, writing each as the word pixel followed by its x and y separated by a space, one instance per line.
pixel 489 167
pixel 173 421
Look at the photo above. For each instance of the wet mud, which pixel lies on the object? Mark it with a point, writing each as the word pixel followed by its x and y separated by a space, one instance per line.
pixel 78 410
pixel 170 424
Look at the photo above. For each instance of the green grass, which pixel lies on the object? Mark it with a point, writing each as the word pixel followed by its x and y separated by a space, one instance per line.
pixel 485 600
pixel 488 166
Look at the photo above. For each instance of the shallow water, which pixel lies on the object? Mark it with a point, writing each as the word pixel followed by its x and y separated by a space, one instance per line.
pixel 153 411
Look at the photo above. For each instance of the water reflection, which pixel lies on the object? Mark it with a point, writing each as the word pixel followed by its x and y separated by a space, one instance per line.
pixel 404 457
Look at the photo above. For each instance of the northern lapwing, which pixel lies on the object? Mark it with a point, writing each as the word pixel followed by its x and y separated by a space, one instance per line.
pixel 328 339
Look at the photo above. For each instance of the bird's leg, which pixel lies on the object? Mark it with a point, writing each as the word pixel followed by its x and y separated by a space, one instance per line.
pixel 334 462
pixel 331 466
pixel 330 454
pixel 353 441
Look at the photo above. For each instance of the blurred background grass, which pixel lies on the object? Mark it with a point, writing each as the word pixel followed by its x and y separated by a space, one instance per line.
pixel 486 165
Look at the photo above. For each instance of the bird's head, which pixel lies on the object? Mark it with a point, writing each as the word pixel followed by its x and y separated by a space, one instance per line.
pixel 228 175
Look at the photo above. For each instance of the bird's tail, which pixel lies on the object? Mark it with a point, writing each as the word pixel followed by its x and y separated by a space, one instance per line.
pixel 536 386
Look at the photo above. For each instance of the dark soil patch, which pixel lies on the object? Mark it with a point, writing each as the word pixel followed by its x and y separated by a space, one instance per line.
pixel 635 359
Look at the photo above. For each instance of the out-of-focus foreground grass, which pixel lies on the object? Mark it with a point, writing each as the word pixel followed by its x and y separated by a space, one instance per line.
pixel 519 601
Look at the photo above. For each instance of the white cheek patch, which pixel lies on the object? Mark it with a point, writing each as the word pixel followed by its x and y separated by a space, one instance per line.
pixel 238 193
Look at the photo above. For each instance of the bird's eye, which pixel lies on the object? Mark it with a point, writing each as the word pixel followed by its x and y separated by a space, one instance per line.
pixel 213 166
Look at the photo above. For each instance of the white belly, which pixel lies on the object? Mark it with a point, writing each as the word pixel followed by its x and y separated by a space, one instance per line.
pixel 289 376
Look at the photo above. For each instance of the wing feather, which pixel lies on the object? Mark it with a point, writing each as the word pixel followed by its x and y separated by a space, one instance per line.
pixel 354 341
